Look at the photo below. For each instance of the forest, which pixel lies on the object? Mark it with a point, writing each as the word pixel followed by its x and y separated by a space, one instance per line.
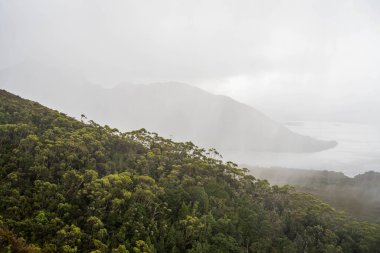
pixel 70 185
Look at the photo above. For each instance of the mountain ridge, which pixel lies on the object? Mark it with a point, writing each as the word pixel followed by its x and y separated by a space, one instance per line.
pixel 176 110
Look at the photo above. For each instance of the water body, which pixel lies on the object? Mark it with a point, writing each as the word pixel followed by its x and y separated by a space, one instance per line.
pixel 358 149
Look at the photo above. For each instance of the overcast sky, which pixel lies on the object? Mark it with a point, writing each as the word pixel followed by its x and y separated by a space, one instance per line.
pixel 291 59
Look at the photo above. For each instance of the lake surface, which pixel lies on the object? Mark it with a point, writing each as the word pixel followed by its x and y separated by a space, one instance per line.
pixel 358 149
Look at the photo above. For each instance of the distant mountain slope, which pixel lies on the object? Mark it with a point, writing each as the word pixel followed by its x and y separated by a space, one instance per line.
pixel 358 196
pixel 175 110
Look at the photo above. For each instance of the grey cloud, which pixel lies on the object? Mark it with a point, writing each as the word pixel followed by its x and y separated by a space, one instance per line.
pixel 270 54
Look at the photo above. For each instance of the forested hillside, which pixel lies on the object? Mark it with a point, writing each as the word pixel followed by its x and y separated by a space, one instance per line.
pixel 71 186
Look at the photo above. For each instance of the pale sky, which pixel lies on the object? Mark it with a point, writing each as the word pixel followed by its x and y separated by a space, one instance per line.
pixel 291 59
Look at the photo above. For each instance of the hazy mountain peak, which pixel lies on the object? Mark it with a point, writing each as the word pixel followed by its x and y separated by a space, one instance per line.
pixel 173 109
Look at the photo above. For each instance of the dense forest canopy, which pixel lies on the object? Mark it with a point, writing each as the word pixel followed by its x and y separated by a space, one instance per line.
pixel 72 186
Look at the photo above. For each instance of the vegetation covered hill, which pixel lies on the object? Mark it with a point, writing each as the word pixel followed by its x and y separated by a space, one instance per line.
pixel 174 110
pixel 358 196
pixel 69 186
